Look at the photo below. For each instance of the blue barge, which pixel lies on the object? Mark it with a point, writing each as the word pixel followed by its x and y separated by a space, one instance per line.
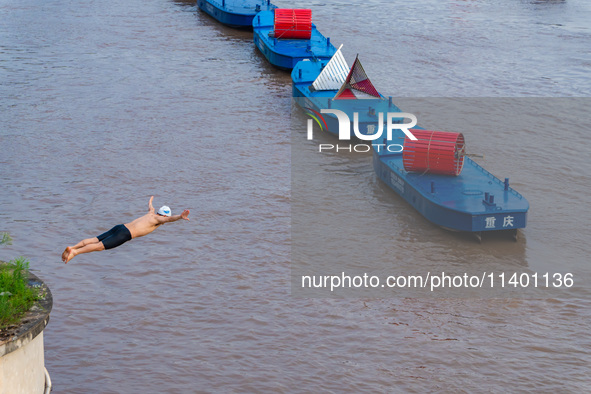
pixel 433 174
pixel 235 13
pixel 474 201
pixel 282 49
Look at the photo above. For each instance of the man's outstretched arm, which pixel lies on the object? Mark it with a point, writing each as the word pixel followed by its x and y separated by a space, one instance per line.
pixel 150 207
pixel 174 218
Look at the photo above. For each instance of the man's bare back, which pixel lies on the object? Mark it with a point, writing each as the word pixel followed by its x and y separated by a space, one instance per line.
pixel 143 225
pixel 124 232
pixel 149 222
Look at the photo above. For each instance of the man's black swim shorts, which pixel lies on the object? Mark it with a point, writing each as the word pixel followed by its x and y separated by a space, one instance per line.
pixel 116 236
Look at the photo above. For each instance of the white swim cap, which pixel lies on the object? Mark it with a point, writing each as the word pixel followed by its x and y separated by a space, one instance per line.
pixel 164 211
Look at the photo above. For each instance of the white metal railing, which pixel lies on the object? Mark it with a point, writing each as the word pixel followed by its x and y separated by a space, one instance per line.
pixel 334 73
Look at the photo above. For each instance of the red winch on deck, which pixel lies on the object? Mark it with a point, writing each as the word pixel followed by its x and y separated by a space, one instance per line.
pixel 293 23
pixel 435 152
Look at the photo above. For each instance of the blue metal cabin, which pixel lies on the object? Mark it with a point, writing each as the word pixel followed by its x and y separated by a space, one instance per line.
pixel 235 13
pixel 303 76
pixel 474 201
pixel 285 53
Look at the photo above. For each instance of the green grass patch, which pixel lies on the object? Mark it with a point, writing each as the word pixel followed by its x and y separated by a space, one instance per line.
pixel 16 297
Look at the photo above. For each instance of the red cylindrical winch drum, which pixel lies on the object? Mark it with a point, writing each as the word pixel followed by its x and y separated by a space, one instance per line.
pixel 293 23
pixel 435 152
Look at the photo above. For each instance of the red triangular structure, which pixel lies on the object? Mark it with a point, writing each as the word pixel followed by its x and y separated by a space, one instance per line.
pixel 347 94
pixel 357 85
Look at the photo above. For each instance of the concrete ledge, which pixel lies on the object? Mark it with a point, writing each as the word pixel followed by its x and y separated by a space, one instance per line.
pixel 22 364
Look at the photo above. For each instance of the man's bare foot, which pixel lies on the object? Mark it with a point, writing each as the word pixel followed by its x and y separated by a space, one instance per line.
pixel 71 254
pixel 66 253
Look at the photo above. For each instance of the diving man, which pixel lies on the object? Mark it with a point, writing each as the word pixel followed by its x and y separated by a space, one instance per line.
pixel 122 233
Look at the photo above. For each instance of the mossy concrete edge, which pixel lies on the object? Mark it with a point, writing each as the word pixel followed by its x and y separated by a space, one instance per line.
pixel 32 323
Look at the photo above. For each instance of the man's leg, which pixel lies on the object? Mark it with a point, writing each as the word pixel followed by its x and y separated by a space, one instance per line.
pixel 72 252
pixel 84 242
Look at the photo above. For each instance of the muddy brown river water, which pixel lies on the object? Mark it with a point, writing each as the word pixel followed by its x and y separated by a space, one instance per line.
pixel 105 103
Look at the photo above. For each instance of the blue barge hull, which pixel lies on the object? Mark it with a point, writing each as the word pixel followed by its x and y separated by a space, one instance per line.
pixel 235 13
pixel 286 53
